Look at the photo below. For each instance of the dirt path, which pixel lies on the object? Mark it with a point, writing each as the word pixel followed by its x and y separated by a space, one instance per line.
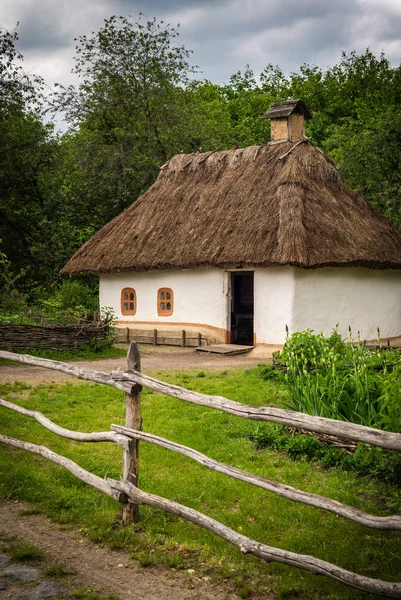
pixel 154 360
pixel 100 568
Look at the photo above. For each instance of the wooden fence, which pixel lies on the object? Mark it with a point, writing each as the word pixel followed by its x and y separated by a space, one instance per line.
pixel 161 337
pixel 128 493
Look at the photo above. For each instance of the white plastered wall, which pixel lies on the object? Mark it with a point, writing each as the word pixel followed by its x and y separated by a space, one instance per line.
pixel 301 299
pixel 362 298
pixel 274 297
pixel 200 296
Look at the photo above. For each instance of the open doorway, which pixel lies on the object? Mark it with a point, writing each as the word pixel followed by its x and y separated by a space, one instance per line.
pixel 242 308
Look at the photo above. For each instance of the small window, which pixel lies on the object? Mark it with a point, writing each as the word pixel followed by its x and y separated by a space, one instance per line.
pixel 165 302
pixel 128 301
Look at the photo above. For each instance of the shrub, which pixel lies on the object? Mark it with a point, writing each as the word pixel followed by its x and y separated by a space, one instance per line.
pixel 330 378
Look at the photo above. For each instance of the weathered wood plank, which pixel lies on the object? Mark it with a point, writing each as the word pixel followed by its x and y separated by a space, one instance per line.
pixel 385 523
pixel 225 349
pixel 375 437
pixel 104 436
pixel 266 553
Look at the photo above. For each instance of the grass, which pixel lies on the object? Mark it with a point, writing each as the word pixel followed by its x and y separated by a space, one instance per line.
pixel 57 571
pixel 164 539
pixel 92 594
pixel 21 552
pixel 84 353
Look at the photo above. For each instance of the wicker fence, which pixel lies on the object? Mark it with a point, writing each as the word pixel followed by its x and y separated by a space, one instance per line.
pixel 18 338
pixel 126 491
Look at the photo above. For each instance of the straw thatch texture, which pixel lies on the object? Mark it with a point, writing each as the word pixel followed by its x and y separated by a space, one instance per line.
pixel 278 204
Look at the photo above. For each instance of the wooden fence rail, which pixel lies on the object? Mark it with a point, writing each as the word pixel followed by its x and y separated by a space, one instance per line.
pixel 127 381
pixel 131 497
pixel 161 337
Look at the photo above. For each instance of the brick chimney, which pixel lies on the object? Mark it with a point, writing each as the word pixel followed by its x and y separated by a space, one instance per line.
pixel 287 120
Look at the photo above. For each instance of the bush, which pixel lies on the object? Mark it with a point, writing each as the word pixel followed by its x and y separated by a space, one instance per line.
pixel 72 299
pixel 72 294
pixel 329 378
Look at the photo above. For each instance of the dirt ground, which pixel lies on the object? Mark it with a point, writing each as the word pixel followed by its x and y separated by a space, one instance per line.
pixel 99 568
pixel 153 360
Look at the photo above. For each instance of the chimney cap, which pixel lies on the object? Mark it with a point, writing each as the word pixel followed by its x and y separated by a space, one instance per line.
pixel 287 108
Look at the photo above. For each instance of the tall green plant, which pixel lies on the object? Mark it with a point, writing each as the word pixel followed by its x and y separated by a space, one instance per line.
pixel 330 378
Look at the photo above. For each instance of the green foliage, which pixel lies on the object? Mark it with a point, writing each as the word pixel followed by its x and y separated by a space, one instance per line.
pixel 365 460
pixel 330 378
pixel 131 113
pixel 58 571
pixel 368 150
pixel 77 296
pixel 96 350
pixel 29 205
pixel 16 87
pixel 22 552
pixel 73 299
pixel 91 593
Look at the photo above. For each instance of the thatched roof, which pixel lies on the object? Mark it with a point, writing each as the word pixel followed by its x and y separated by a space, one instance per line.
pixel 287 108
pixel 277 204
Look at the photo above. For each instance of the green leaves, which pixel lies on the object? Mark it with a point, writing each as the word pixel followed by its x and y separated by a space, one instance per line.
pixel 345 381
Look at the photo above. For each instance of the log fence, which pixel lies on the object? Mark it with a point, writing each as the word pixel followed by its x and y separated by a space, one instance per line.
pixel 161 337
pixel 128 493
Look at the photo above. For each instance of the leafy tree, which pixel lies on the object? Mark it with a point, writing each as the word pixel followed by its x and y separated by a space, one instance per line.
pixel 27 153
pixel 368 151
pixel 130 113
pixel 16 88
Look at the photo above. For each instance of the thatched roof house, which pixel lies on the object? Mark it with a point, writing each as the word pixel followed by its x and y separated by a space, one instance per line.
pixel 259 217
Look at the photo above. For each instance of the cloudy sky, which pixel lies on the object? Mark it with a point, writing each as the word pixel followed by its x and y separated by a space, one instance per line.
pixel 224 35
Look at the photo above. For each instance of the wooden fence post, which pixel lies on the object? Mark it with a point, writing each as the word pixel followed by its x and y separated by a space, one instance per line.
pixel 134 421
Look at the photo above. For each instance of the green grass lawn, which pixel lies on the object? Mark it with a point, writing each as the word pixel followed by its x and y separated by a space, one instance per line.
pixel 83 353
pixel 163 538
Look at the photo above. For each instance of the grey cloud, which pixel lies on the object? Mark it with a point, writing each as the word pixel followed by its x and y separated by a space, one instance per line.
pixel 224 34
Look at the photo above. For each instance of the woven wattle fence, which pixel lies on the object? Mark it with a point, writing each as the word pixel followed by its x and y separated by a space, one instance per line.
pixel 17 338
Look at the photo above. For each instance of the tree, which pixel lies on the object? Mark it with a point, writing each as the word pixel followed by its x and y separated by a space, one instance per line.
pixel 130 113
pixel 27 154
pixel 16 88
pixel 368 151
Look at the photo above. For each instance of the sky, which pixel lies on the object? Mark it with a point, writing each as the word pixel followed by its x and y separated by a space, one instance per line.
pixel 224 35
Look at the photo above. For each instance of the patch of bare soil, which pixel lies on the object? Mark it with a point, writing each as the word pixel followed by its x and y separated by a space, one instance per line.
pixel 160 358
pixel 93 566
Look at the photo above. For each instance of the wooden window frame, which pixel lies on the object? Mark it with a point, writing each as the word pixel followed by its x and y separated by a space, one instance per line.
pixel 165 312
pixel 128 312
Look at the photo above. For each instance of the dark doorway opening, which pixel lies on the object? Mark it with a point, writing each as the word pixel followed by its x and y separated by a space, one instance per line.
pixel 242 308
